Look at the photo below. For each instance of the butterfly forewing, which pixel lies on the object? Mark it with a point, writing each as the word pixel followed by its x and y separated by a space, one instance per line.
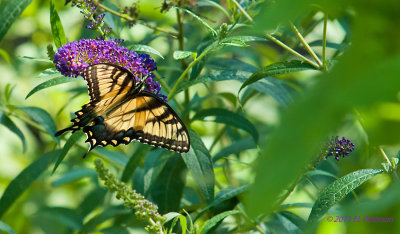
pixel 120 113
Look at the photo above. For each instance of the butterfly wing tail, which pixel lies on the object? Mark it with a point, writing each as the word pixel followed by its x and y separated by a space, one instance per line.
pixel 83 117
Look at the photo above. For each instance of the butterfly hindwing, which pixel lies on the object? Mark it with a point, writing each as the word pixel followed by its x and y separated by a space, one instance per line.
pixel 144 117
pixel 119 112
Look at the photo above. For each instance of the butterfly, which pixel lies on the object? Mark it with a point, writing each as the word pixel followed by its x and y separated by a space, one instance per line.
pixel 120 111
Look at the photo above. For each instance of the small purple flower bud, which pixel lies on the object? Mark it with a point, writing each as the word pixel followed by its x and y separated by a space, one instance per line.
pixel 337 148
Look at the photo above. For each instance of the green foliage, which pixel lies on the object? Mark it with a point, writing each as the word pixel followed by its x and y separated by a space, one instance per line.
pixel 260 85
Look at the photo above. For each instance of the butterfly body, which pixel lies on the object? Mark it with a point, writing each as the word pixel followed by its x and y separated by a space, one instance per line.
pixel 119 111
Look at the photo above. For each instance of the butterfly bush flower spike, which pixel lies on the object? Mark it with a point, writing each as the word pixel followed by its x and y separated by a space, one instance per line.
pixel 145 210
pixel 73 58
pixel 338 147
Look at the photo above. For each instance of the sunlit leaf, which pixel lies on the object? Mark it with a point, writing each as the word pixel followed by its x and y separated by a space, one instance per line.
pixel 215 220
pixel 212 31
pixel 56 27
pixel 24 180
pixel 73 175
pixel 43 118
pixel 67 146
pixel 8 123
pixel 5 228
pixel 337 190
pixel 143 48
pixel 51 83
pixel 180 54
pixel 9 12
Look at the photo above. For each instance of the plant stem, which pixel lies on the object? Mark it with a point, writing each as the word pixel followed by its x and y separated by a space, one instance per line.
pixel 171 94
pixel 283 45
pixel 385 157
pixel 243 11
pixel 128 18
pixel 179 19
pixel 305 44
pixel 324 64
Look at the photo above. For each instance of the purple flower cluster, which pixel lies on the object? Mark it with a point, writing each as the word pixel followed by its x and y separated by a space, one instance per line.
pixel 338 148
pixel 88 9
pixel 72 59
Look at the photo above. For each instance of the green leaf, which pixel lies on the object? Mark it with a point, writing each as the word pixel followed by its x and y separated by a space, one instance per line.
pixel 73 175
pixel 38 59
pixel 107 214
pixel 24 179
pixel 9 12
pixel 6 56
pixel 224 195
pixel 134 161
pixel 174 215
pixel 230 64
pixel 153 165
pixel 69 217
pixel 337 190
pixel 234 42
pixel 215 221
pixel 56 27
pixel 212 31
pixel 235 148
pixel 198 161
pixel 67 146
pixel 220 115
pixel 277 69
pixel 5 228
pixel 143 48
pixel 49 73
pixel 50 83
pixel 43 118
pixel 237 75
pixel 167 189
pixel 92 200
pixel 112 156
pixel 181 54
pixel 8 123
pixel 277 89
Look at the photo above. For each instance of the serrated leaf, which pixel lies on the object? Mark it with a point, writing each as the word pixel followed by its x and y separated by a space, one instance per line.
pixel 215 76
pixel 198 161
pixel 235 148
pixel 276 88
pixel 43 118
pixel 8 123
pixel 56 27
pixel 73 175
pixel 69 217
pixel 220 115
pixel 144 48
pixel 181 54
pixel 337 190
pixel 24 179
pixel 9 12
pixel 5 228
pixel 50 83
pixel 224 195
pixel 215 220
pixel 212 31
pixel 67 146
pixel 277 69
